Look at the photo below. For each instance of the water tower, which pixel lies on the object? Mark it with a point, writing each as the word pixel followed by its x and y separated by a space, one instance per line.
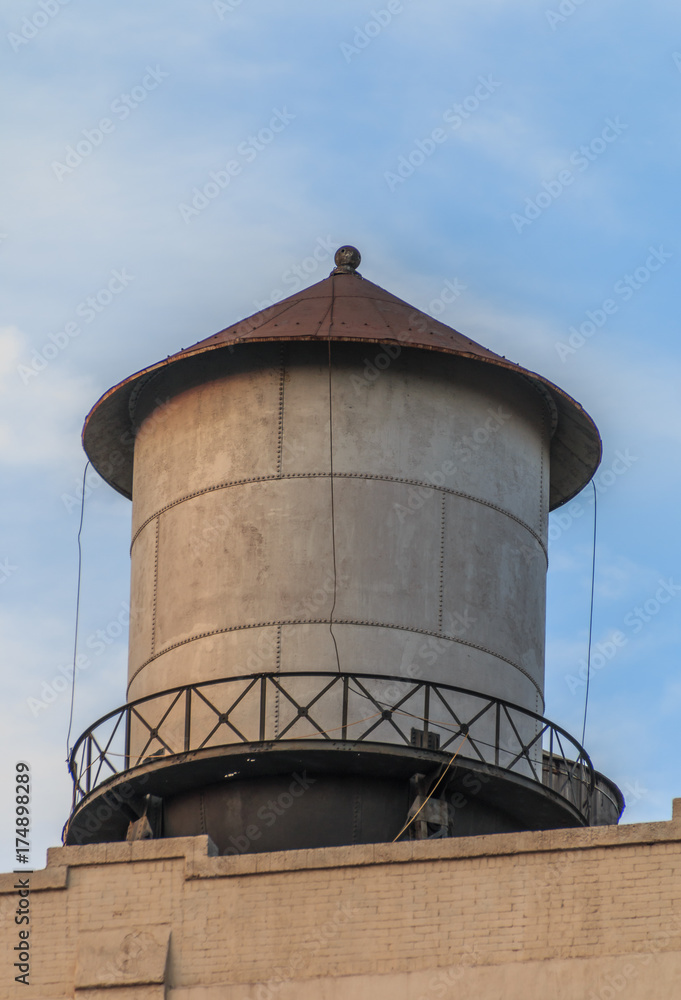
pixel 339 555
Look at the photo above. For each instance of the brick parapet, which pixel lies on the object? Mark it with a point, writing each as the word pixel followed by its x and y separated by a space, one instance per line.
pixel 543 900
pixel 201 861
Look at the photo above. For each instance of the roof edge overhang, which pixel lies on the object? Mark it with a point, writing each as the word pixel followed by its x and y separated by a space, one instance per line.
pixel 109 434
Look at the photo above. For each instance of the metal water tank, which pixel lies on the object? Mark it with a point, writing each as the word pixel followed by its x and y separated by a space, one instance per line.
pixel 339 555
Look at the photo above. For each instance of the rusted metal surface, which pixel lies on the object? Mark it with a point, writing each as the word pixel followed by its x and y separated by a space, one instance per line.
pixel 347 260
pixel 344 307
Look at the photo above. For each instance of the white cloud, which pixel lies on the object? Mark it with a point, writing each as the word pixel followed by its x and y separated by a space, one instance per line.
pixel 41 412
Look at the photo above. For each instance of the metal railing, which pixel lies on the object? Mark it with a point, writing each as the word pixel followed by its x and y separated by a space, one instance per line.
pixel 334 707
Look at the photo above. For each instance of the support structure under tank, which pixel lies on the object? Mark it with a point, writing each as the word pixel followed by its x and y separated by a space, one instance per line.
pixel 340 516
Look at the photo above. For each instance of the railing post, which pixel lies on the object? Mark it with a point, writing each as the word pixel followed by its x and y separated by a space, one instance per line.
pixel 574 783
pixel 586 791
pixel 497 734
pixel 344 721
pixel 187 718
pixel 263 706
pixel 128 714
pixel 74 775
pixel 88 781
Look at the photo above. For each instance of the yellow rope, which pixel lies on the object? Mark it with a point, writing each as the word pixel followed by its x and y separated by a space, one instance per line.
pixel 451 761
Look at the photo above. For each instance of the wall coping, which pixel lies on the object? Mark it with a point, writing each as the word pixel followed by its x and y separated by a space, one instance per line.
pixel 201 860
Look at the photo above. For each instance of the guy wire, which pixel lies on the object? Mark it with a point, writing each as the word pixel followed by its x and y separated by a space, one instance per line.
pixel 333 511
pixel 75 638
pixel 591 616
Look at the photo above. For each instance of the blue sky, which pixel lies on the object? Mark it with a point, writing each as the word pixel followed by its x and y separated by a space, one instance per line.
pixel 551 191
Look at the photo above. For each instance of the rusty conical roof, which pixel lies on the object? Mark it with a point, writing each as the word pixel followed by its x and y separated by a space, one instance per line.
pixel 346 307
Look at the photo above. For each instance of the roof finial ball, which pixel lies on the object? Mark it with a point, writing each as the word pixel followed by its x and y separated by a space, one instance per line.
pixel 347 261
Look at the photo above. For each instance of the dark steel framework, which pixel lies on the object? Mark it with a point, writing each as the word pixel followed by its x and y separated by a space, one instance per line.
pixel 195 716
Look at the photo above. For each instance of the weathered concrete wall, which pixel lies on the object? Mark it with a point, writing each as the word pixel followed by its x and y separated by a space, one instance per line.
pixel 440 500
pixel 568 914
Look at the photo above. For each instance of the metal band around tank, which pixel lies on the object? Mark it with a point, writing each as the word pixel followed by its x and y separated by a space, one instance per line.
pixel 336 621
pixel 339 475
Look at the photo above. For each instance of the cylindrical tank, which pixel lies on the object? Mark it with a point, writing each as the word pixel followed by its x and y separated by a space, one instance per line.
pixel 438 520
pixel 341 486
